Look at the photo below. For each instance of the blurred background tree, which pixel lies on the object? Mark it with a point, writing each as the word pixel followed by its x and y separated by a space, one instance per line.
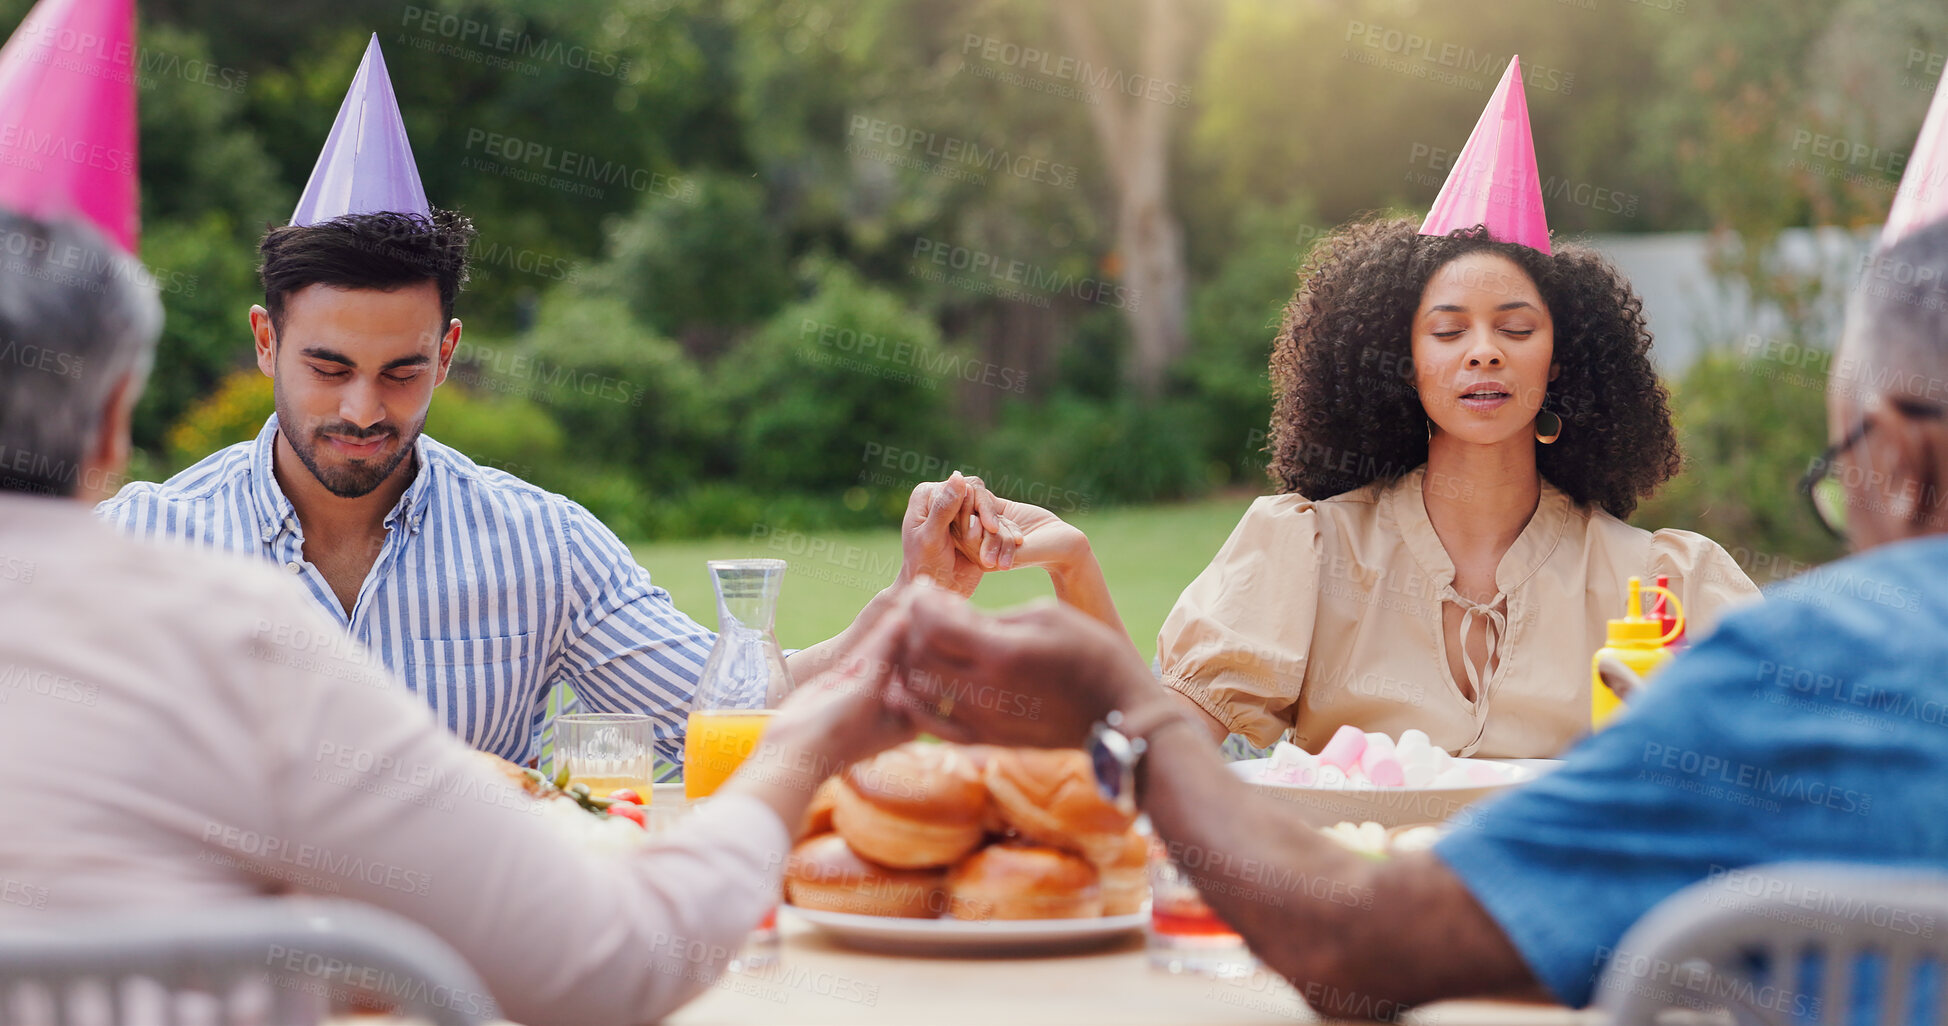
pixel 974 181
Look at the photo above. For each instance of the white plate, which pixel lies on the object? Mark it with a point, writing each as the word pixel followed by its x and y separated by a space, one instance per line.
pixel 1387 806
pixel 957 936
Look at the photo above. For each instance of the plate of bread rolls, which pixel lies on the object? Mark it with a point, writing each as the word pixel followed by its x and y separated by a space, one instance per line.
pixel 969 848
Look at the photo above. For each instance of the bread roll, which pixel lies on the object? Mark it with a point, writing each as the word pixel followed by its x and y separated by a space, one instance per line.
pixel 1018 881
pixel 912 807
pixel 825 874
pixel 1050 795
pixel 1126 878
pixel 818 815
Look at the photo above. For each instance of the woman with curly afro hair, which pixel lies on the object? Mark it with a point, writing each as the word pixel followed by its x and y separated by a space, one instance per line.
pixel 1460 426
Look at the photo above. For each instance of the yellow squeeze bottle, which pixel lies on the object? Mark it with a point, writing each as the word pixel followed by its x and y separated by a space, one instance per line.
pixel 1638 641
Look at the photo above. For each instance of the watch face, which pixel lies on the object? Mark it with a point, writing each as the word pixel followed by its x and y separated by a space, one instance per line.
pixel 1109 754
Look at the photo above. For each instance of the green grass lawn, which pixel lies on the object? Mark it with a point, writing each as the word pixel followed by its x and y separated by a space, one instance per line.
pixel 1149 555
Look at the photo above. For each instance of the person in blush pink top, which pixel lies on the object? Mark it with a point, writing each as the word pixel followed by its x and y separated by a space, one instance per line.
pixel 1461 425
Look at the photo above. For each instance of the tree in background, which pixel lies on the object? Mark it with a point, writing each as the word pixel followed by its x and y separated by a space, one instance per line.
pixel 1133 126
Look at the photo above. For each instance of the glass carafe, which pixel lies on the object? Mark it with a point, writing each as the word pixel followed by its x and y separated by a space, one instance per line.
pixel 743 680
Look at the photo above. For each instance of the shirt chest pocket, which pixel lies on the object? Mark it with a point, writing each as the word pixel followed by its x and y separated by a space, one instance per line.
pixel 479 687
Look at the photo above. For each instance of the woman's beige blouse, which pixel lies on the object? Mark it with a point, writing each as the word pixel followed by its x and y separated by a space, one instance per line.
pixel 1317 614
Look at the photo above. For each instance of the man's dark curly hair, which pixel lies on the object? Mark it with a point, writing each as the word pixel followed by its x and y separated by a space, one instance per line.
pixel 382 251
pixel 1347 413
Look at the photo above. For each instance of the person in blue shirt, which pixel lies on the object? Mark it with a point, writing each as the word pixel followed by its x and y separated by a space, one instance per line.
pixel 1813 726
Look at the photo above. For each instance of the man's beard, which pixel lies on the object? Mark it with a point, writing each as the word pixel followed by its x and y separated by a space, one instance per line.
pixel 353 478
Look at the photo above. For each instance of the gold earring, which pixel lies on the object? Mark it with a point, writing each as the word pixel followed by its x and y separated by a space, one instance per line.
pixel 1547 431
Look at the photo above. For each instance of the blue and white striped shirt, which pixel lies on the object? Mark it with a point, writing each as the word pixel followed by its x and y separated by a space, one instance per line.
pixel 487 593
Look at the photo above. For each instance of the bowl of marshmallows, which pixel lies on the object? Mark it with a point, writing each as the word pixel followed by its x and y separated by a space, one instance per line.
pixel 1371 777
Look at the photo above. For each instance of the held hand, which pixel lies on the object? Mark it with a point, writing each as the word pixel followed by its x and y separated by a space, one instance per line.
pixel 1029 536
pixel 847 713
pixel 1040 675
pixel 931 547
pixel 837 718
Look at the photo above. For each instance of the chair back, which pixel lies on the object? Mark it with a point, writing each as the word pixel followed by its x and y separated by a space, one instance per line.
pixel 1789 943
pixel 280 962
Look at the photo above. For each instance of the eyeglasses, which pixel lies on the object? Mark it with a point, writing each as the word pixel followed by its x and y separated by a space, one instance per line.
pixel 1827 493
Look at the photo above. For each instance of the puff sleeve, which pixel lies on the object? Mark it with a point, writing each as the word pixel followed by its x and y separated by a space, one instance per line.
pixel 1238 639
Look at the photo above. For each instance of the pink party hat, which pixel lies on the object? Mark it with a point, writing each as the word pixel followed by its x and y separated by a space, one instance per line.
pixel 1494 181
pixel 1923 195
pixel 67 116
pixel 367 164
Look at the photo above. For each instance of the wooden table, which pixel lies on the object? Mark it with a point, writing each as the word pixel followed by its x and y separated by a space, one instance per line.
pixel 817 981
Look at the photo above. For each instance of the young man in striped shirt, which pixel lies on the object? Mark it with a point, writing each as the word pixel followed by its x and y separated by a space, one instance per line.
pixel 482 591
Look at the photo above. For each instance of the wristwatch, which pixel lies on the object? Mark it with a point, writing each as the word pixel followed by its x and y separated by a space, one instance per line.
pixel 1116 748
pixel 1114 755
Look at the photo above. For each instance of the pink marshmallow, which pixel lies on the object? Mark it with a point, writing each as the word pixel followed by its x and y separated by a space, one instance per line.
pixel 1344 750
pixel 1374 753
pixel 1482 774
pixel 1386 773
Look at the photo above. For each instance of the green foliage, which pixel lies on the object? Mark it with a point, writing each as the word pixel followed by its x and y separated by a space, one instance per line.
pixel 1749 427
pixel 1364 103
pixel 629 399
pixel 208 187
pixel 744 131
pixel 1233 319
pixel 827 377
pixel 1073 455
pixel 705 258
pixel 511 434
pixel 233 411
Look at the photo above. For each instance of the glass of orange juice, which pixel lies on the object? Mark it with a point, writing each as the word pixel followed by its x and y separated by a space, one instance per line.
pixel 719 741
pixel 607 751
pixel 744 678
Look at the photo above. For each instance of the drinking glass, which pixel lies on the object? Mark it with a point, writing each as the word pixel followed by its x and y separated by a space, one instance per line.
pixel 607 752
pixel 1184 935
